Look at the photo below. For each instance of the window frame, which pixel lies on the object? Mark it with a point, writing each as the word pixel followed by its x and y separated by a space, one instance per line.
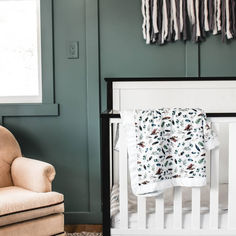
pixel 48 107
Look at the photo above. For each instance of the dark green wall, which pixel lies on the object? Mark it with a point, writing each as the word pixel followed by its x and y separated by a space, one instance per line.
pixel 64 140
pixel 125 54
pixel 71 140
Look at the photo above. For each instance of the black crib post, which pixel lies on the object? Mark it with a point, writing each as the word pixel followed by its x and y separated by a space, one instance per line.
pixel 105 165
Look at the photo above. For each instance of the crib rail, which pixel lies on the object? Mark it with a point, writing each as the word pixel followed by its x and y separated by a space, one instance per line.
pixel 160 212
pixel 196 192
pixel 123 176
pixel 214 184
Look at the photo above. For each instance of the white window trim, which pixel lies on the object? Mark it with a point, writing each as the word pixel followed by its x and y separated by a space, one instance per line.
pixel 40 81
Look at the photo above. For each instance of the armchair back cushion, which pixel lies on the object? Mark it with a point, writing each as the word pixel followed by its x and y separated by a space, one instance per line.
pixel 9 150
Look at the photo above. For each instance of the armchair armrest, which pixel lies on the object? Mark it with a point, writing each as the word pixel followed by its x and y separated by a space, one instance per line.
pixel 32 174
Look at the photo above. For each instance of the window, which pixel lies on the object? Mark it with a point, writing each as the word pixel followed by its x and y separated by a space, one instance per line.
pixel 20 52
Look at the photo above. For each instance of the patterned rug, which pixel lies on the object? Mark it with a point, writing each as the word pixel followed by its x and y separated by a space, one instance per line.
pixel 84 234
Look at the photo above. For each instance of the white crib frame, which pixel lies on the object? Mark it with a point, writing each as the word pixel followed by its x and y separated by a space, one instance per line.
pixel 159 230
pixel 214 196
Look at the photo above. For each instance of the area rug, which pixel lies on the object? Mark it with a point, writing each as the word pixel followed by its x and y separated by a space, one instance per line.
pixel 84 234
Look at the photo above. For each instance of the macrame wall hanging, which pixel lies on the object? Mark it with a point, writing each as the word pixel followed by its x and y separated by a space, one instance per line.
pixel 172 20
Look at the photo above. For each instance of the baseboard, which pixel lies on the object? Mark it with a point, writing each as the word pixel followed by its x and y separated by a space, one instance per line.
pixel 77 218
pixel 80 228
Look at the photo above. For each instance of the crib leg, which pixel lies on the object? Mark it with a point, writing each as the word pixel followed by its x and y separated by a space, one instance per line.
pixel 232 181
pixel 105 165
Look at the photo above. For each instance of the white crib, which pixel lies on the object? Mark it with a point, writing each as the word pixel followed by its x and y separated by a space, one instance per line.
pixel 221 163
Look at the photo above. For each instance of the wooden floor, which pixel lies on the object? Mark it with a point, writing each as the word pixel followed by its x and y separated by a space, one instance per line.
pixel 81 228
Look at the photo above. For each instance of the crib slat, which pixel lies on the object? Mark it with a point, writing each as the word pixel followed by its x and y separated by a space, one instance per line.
pixel 123 180
pixel 178 208
pixel 196 205
pixel 214 186
pixel 232 178
pixel 160 211
pixel 142 212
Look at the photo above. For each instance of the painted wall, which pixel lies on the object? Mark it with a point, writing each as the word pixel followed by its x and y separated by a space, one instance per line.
pixel 124 53
pixel 71 140
pixel 63 140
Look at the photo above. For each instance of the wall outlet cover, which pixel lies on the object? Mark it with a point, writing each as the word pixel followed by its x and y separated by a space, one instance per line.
pixel 72 48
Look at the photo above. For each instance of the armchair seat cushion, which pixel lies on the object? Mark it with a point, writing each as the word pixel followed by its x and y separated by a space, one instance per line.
pixel 44 226
pixel 18 204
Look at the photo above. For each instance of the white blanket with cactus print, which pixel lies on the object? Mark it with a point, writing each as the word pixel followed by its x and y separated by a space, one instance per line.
pixel 167 147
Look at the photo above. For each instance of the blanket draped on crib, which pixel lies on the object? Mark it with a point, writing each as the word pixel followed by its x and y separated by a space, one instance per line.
pixel 167 147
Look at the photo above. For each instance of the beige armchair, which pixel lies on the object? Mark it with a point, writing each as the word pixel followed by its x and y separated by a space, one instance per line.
pixel 27 204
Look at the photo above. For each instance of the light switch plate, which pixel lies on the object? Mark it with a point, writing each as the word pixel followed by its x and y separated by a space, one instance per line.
pixel 72 49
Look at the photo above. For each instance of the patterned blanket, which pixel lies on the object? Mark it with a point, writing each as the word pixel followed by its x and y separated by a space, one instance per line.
pixel 167 147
